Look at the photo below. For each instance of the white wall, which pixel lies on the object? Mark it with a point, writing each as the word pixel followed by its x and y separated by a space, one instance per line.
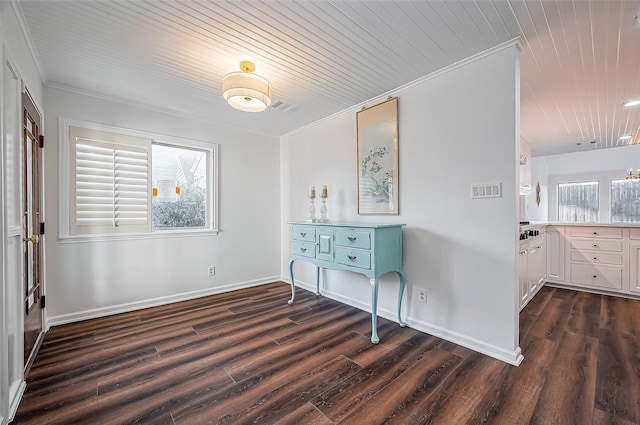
pixel 88 279
pixel 539 175
pixel 603 165
pixel 456 127
pixel 17 66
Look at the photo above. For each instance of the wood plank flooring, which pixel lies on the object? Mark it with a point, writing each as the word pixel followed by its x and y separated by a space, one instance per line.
pixel 247 357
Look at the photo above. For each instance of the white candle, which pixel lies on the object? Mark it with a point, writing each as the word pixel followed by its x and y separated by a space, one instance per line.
pixel 312 192
pixel 324 191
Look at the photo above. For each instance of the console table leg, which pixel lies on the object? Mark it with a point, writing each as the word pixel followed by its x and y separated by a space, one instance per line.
pixel 293 287
pixel 317 280
pixel 374 311
pixel 403 282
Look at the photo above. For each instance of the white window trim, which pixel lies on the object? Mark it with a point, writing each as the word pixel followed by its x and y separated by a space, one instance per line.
pixel 64 183
pixel 602 177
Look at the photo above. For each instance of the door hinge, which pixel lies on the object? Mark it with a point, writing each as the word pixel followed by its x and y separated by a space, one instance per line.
pixel 41 141
pixel 41 228
pixel 43 302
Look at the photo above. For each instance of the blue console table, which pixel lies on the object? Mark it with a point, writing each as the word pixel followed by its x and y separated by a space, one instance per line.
pixel 369 249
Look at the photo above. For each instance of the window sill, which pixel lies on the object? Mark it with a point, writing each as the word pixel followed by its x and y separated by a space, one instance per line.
pixel 162 234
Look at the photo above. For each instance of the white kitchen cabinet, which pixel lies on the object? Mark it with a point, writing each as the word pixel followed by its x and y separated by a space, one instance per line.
pixel 537 264
pixel 523 274
pixel 555 254
pixel 596 257
pixel 532 267
pixel 634 267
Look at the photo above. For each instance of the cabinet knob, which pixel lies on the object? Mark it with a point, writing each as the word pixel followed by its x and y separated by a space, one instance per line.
pixel 303 249
pixel 595 233
pixel 351 238
pixel 303 234
pixel 594 276
pixel 351 257
pixel 595 246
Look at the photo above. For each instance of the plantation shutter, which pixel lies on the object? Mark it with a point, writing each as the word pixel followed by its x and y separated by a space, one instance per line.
pixel 111 182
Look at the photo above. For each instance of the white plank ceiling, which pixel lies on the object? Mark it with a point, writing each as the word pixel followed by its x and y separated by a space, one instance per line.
pixel 580 59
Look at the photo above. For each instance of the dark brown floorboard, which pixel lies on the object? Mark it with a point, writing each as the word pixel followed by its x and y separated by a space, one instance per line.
pixel 247 357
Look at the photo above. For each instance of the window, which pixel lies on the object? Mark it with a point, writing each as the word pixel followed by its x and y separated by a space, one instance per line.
pixel 179 187
pixel 578 202
pixel 625 201
pixel 125 182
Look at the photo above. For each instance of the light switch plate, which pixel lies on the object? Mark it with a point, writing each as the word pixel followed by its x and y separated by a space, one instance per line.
pixel 486 190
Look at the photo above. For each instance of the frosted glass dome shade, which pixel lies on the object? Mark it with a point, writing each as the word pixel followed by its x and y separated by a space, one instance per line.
pixel 246 92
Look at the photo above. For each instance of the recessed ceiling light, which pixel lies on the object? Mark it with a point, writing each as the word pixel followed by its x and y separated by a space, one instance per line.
pixel 634 102
pixel 626 137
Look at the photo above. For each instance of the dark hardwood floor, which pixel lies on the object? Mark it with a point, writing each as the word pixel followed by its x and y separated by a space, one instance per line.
pixel 248 357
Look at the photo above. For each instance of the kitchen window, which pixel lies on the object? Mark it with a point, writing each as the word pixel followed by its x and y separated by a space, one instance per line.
pixel 122 182
pixel 578 202
pixel 625 201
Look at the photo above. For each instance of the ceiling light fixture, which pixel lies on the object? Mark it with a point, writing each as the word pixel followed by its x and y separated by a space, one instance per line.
pixel 625 137
pixel 630 103
pixel 246 91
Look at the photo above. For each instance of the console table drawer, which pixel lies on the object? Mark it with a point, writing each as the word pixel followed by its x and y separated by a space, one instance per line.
pixel 303 233
pixel 353 238
pixel 360 259
pixel 303 249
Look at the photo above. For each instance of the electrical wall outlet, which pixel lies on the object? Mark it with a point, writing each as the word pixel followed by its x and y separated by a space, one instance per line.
pixel 211 270
pixel 422 295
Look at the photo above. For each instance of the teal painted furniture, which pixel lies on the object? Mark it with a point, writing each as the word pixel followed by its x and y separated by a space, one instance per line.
pixel 369 249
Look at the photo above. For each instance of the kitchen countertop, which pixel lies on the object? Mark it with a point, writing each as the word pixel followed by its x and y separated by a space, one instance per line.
pixel 538 224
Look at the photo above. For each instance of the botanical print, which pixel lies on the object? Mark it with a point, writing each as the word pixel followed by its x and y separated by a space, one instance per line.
pixel 375 174
pixel 378 159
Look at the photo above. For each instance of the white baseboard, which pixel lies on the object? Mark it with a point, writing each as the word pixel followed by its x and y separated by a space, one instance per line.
pixel 139 305
pixel 512 357
pixel 16 396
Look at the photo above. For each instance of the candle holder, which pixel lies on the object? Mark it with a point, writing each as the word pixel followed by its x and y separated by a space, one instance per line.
pixel 323 208
pixel 312 209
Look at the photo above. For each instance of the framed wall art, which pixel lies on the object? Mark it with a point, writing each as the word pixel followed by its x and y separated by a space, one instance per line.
pixel 377 128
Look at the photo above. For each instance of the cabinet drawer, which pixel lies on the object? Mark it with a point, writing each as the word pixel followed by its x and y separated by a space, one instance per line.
pixel 303 249
pixel 597 232
pixel 597 276
pixel 634 233
pixel 355 258
pixel 303 233
pixel 353 238
pixel 597 244
pixel 596 257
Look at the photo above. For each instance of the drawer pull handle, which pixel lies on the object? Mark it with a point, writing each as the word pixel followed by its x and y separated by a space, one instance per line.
pixel 303 249
pixel 594 258
pixel 303 234
pixel 351 238
pixel 595 246
pixel 351 257
pixel 594 276
pixel 595 233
